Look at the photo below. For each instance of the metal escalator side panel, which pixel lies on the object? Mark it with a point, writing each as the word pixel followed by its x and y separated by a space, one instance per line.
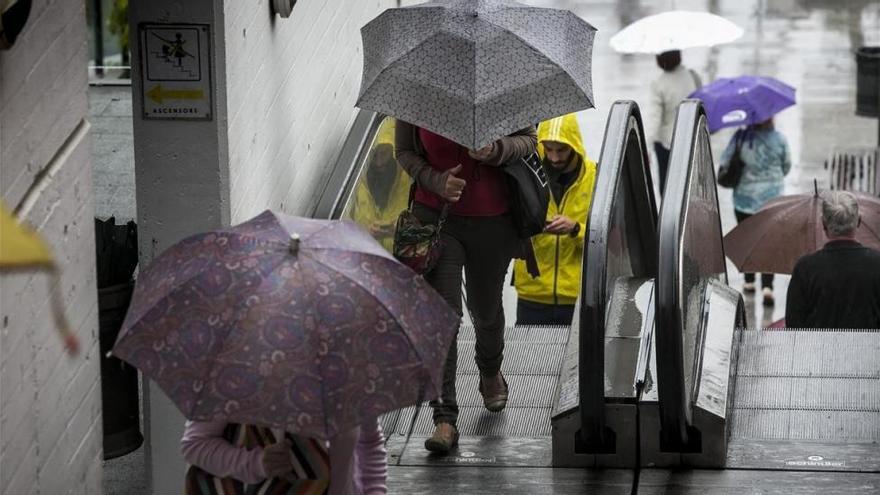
pixel 620 242
pixel 690 255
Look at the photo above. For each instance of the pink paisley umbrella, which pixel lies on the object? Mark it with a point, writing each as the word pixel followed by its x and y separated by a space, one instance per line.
pixel 300 324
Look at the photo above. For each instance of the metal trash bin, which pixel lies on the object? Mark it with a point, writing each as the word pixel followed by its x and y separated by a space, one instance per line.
pixel 868 81
pixel 116 252
pixel 119 381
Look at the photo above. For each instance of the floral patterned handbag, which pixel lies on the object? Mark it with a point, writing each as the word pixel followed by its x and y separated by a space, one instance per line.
pixel 416 244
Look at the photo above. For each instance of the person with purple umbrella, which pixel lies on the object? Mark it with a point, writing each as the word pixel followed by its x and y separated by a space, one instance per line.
pixel 751 101
pixel 767 160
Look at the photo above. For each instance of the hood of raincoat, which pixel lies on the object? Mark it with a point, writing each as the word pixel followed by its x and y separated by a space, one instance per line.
pixel 564 129
pixel 559 257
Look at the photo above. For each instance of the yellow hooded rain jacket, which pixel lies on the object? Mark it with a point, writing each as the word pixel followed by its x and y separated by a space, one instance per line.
pixel 366 211
pixel 559 256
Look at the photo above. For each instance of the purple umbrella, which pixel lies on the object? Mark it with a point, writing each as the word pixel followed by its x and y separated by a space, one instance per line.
pixel 300 324
pixel 744 100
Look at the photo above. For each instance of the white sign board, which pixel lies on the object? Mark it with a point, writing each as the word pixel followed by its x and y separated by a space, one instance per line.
pixel 175 71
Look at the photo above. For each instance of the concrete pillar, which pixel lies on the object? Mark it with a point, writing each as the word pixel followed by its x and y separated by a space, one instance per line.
pixel 181 175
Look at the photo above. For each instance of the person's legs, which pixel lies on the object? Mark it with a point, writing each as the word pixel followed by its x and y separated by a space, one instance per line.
pixel 489 248
pixel 532 313
pixel 662 153
pixel 749 277
pixel 490 245
pixel 445 278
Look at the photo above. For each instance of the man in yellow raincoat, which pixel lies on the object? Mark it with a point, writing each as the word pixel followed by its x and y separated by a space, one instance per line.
pixel 383 190
pixel 549 298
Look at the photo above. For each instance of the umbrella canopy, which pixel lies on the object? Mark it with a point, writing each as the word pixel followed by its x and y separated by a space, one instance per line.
pixel 300 324
pixel 674 30
pixel 744 100
pixel 788 227
pixel 475 70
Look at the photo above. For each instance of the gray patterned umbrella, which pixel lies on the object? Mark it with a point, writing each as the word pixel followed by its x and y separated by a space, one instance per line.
pixel 475 70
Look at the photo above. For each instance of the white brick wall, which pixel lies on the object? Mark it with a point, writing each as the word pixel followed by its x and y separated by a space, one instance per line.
pixel 50 404
pixel 291 88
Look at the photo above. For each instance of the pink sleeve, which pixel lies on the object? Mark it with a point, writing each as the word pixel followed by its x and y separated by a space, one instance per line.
pixel 203 445
pixel 343 470
pixel 372 462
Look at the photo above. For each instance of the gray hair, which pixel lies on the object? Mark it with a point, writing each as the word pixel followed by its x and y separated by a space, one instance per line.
pixel 840 212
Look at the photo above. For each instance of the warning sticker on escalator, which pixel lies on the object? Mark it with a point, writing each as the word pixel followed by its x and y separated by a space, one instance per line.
pixel 815 461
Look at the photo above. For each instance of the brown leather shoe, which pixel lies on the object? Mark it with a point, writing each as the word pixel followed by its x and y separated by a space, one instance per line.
pixel 444 439
pixel 494 391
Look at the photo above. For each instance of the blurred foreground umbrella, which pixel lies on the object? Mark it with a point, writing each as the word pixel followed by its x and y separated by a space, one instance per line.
pixel 475 70
pixel 788 227
pixel 674 30
pixel 744 100
pixel 22 249
pixel 305 325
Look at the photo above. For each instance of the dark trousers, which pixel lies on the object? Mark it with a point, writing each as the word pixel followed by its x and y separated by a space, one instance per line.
pixel 483 247
pixel 766 278
pixel 662 153
pixel 532 313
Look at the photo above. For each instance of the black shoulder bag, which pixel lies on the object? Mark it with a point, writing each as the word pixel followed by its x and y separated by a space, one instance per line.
pixel 529 194
pixel 529 199
pixel 730 173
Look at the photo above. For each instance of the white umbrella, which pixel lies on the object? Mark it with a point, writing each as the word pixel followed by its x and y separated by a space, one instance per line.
pixel 675 30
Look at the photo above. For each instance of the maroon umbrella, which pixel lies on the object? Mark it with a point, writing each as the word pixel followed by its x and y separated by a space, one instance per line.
pixel 300 324
pixel 788 227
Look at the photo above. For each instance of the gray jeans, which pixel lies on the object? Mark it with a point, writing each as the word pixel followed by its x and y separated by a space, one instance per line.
pixel 483 247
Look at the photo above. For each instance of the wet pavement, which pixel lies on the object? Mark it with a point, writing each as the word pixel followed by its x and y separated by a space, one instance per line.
pixel 808 44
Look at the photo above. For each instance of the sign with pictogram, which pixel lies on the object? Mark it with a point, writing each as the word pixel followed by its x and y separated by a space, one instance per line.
pixel 175 71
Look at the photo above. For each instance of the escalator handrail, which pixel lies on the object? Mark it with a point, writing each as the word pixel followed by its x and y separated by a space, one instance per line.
pixel 674 400
pixel 348 166
pixel 624 123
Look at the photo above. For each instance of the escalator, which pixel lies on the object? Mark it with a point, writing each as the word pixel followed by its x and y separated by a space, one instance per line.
pixel 657 386
pixel 794 411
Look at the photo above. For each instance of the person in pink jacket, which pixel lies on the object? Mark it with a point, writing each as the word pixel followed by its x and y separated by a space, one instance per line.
pixel 357 463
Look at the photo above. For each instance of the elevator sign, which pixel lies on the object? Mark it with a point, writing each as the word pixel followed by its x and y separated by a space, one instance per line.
pixel 175 71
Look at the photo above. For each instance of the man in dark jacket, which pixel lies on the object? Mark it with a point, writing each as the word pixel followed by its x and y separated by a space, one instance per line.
pixel 839 285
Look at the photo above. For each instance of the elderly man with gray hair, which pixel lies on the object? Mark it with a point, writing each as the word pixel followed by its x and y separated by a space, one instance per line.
pixel 839 285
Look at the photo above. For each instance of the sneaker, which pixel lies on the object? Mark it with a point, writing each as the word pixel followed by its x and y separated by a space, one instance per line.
pixel 444 439
pixel 494 391
pixel 749 288
pixel 769 300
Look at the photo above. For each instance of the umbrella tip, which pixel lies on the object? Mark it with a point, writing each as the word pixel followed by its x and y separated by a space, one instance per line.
pixel 294 244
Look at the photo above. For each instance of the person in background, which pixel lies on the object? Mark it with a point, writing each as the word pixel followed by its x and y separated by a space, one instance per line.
pixel 383 191
pixel 672 86
pixel 247 457
pixel 839 285
pixel 549 298
pixel 766 158
pixel 478 236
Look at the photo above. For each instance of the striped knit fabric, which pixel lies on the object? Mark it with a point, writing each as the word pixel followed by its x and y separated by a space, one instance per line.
pixel 311 472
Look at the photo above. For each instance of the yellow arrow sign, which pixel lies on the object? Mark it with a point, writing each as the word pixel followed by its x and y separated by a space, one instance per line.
pixel 159 94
